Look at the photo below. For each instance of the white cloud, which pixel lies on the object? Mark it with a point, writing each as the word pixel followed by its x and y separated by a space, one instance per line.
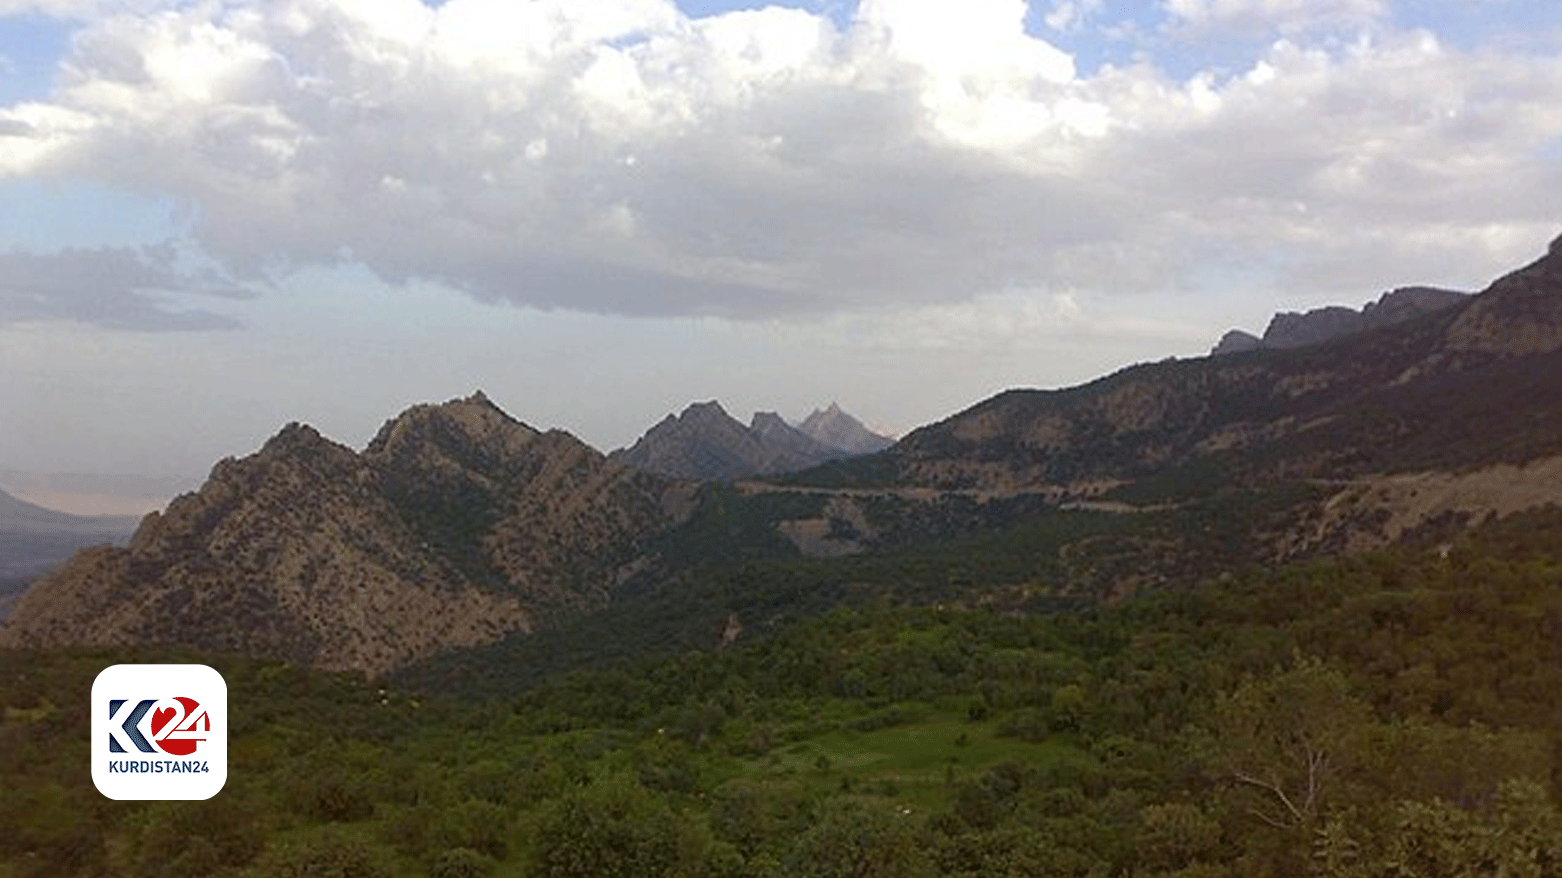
pixel 1210 17
pixel 1070 15
pixel 616 156
pixel 80 9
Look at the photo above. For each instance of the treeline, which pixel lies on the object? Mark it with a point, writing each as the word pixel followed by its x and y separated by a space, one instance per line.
pixel 1393 714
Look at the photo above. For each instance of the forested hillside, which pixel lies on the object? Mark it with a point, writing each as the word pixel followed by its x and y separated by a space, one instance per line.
pixel 1370 715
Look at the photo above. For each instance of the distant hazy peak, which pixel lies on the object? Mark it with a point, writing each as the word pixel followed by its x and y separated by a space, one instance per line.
pixel 837 429
pixel 19 516
pixel 705 443
pixel 709 410
pixel 769 422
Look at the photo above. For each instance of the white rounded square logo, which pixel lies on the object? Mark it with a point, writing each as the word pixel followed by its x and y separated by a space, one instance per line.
pixel 159 732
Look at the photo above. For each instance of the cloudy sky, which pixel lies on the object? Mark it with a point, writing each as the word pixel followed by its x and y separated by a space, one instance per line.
pixel 222 216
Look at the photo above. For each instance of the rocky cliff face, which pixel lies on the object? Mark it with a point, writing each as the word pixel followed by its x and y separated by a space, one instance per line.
pixel 449 529
pixel 704 443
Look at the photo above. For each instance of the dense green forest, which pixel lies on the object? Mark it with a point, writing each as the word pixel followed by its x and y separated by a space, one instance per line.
pixel 1393 714
pixel 1020 554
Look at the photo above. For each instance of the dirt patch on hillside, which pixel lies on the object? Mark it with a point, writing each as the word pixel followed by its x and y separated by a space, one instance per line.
pixel 1377 511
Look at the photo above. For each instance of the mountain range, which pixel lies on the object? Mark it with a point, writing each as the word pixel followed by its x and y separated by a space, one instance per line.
pixel 706 444
pixel 458 526
pixel 455 524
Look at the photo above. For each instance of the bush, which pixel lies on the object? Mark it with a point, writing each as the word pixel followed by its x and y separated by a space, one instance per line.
pixel 330 856
pixel 1029 724
pixel 460 863
pixel 326 795
pixel 856 839
pixel 189 838
pixel 614 828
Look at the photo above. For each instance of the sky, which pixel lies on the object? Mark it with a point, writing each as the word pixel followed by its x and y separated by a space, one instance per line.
pixel 220 216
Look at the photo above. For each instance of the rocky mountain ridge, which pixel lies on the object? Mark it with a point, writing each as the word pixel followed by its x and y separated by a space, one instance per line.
pixel 454 526
pixel 1293 330
pixel 1477 380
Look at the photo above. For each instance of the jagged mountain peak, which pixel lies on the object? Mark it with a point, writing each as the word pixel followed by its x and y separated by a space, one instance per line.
pixel 1292 329
pixel 789 444
pixel 834 427
pixel 768 421
pixel 705 443
pixel 709 411
pixel 473 427
pixel 296 448
pixel 292 437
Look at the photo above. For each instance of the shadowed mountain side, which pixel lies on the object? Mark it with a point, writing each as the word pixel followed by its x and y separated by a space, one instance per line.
pixel 456 525
pixel 1291 330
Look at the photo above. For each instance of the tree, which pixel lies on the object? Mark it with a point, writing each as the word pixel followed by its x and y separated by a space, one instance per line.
pixel 1287 739
pixel 614 828
pixel 1176 835
pixel 460 863
pixel 859 839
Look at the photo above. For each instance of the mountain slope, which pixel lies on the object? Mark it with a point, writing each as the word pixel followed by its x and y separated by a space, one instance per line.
pixel 455 525
pixel 1471 385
